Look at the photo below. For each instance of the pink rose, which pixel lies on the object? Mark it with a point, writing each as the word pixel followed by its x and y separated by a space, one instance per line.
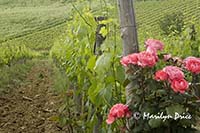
pixel 118 111
pixel 146 59
pixel 156 44
pixel 179 85
pixel 173 72
pixel 110 119
pixel 192 64
pixel 153 51
pixel 133 58
pixel 129 59
pixel 125 61
pixel 161 75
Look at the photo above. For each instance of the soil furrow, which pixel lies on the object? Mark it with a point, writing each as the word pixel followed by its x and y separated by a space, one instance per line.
pixel 31 107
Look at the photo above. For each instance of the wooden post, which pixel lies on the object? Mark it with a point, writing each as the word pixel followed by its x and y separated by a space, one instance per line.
pixel 128 26
pixel 129 36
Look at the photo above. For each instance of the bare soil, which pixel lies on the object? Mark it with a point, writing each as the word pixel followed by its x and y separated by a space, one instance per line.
pixel 31 107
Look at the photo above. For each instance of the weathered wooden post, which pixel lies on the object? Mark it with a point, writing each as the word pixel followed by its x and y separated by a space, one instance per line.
pixel 128 35
pixel 128 26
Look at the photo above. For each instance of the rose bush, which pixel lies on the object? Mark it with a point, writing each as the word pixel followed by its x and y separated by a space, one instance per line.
pixel 158 91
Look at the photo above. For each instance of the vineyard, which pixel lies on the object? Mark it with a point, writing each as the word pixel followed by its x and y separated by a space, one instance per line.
pixel 149 13
pixel 17 21
pixel 64 61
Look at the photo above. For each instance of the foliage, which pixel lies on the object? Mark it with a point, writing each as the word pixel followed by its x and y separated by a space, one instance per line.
pixel 13 53
pixel 183 45
pixel 96 80
pixel 172 23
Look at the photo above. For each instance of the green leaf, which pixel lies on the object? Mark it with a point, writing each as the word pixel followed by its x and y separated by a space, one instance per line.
pixel 103 63
pixel 161 92
pixel 126 82
pixel 110 79
pixel 106 94
pixel 171 110
pixel 96 93
pixel 154 123
pixel 120 74
pixel 91 62
pixel 92 92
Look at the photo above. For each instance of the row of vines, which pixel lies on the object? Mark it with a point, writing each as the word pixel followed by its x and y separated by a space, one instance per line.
pixel 151 12
pixel 13 53
pixel 33 45
pixel 96 82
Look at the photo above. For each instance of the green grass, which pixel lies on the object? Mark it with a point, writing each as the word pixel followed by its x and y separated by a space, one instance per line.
pixel 60 80
pixel 12 76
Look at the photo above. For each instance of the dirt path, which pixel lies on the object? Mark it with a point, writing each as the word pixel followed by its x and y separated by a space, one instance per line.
pixel 30 108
